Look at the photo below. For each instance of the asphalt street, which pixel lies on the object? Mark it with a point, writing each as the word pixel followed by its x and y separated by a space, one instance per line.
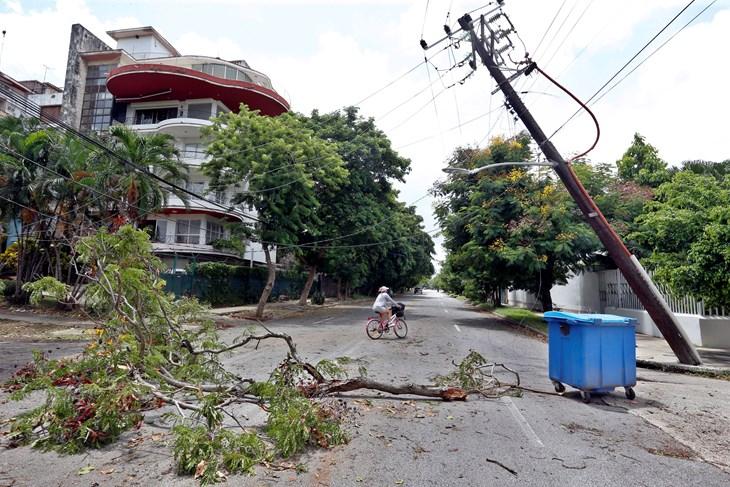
pixel 536 439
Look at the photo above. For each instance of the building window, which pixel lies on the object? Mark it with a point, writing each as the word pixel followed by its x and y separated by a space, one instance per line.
pixel 96 106
pixel 193 151
pixel 188 232
pixel 213 232
pixel 154 115
pixel 197 187
pixel 201 111
pixel 222 71
pixel 161 231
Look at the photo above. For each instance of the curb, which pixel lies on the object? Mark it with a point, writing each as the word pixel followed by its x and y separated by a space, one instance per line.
pixel 517 323
pixel 714 372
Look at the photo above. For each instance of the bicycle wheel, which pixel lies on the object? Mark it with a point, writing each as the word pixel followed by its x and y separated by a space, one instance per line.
pixel 400 327
pixel 373 329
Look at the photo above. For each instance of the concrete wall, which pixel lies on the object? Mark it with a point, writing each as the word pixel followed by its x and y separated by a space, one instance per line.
pixel 143 47
pixel 81 41
pixel 703 331
pixel 580 295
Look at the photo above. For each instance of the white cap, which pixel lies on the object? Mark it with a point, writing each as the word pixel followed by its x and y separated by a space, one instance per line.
pixel 382 289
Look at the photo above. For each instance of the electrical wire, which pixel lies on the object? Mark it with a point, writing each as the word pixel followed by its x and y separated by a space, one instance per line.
pixel 560 28
pixel 534 52
pixel 570 32
pixel 583 106
pixel 655 51
pixel 626 64
pixel 68 129
pixel 425 15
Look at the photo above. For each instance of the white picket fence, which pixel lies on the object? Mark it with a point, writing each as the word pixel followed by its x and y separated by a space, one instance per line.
pixel 615 292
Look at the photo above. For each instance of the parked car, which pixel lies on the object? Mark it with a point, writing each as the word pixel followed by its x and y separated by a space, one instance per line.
pixel 418 290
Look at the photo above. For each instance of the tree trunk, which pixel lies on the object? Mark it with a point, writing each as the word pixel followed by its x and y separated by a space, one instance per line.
pixel 339 289
pixel 308 285
pixel 271 266
pixel 546 284
pixel 546 299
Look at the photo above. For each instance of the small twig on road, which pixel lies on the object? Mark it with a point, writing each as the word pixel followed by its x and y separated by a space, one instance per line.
pixel 569 467
pixel 497 462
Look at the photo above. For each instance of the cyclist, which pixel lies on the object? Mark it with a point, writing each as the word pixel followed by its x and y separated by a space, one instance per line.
pixel 382 304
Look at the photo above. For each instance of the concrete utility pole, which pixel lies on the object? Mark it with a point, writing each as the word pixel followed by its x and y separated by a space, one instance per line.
pixel 486 47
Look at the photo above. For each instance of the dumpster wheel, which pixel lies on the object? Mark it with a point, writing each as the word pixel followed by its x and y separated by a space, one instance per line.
pixel 586 396
pixel 559 387
pixel 630 394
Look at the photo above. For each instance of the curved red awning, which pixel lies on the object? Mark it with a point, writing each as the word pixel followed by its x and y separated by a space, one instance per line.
pixel 151 82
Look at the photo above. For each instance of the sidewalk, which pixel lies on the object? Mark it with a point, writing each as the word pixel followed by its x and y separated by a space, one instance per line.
pixel 278 310
pixel 656 350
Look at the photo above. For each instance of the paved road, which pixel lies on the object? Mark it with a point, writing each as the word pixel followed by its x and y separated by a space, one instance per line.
pixel 532 440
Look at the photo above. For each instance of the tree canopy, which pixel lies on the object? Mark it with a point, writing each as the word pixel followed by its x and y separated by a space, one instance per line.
pixel 687 231
pixel 509 228
pixel 641 163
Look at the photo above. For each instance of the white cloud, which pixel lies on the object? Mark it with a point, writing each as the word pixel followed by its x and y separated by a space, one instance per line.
pixel 38 37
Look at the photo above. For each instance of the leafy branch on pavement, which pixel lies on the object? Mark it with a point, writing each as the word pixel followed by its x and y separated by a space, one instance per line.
pixel 154 351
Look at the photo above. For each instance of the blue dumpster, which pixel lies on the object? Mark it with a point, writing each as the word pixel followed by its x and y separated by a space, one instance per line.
pixel 591 352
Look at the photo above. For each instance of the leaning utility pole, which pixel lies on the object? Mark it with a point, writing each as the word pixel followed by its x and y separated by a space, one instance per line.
pixel 490 49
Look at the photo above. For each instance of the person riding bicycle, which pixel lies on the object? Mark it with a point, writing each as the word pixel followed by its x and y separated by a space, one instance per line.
pixel 383 303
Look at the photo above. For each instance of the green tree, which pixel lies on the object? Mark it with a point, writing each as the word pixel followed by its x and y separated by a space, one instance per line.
pixel 284 168
pixel 686 230
pixel 641 163
pixel 620 201
pixel 365 210
pixel 510 228
pixel 718 170
pixel 137 193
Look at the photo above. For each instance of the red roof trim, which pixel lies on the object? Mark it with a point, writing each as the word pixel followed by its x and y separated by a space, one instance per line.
pixel 121 71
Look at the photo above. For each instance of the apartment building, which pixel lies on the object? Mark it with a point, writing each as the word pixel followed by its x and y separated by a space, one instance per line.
pixel 11 91
pixel 145 83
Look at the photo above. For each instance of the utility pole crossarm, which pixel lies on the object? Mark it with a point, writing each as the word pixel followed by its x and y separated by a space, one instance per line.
pixel 630 267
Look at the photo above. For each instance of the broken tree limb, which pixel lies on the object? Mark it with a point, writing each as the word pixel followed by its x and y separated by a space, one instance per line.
pixel 332 387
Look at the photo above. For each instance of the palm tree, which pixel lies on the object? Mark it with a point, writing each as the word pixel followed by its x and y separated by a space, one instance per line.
pixel 139 193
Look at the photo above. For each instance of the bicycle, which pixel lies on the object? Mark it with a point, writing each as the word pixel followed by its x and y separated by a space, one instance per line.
pixel 375 327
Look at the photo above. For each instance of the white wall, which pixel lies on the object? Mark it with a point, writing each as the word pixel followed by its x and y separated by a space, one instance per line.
pixel 702 331
pixel 143 47
pixel 582 295
pixel 579 295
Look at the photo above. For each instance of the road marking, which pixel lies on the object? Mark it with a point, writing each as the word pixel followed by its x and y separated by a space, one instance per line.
pixel 324 320
pixel 524 425
pixel 457 328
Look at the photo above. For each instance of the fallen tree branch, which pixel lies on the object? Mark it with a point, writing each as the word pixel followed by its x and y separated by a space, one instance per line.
pixel 332 387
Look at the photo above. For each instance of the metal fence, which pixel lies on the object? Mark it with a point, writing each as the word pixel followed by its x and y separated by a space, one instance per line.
pixel 232 290
pixel 616 293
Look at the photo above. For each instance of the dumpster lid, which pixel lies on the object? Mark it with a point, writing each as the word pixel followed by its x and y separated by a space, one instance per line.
pixel 587 318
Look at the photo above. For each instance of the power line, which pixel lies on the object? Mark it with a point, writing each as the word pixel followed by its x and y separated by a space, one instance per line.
pixel 655 51
pixel 666 26
pixel 534 52
pixel 560 27
pixel 192 246
pixel 91 141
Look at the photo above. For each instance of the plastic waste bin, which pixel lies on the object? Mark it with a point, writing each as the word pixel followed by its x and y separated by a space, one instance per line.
pixel 591 352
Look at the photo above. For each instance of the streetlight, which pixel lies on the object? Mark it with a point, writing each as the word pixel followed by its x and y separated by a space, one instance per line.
pixel 471 172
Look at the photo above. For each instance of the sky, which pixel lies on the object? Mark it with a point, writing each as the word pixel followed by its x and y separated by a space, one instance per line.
pixel 326 54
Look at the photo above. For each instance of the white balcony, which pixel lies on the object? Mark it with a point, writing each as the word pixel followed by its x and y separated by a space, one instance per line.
pixel 180 127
